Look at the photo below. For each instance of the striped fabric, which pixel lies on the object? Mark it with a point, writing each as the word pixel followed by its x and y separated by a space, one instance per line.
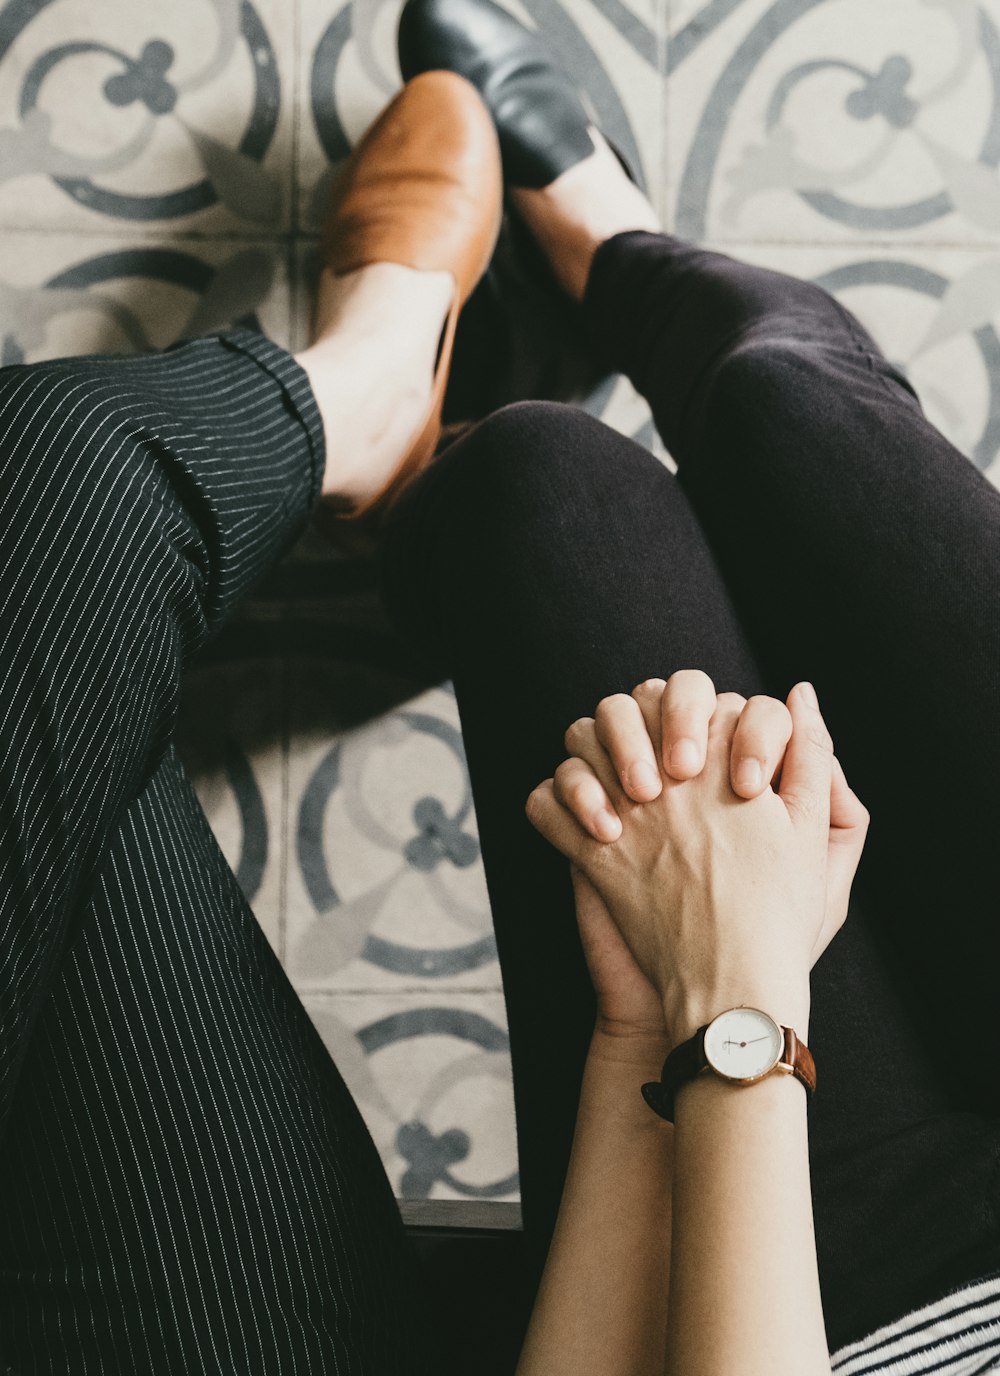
pixel 186 1185
pixel 958 1334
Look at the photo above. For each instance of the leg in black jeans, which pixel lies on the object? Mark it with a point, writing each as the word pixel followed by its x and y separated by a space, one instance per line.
pixel 820 529
pixel 185 1183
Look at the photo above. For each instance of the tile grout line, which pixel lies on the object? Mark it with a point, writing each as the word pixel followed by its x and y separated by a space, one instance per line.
pixel 293 216
pixel 293 256
pixel 138 239
pixel 663 64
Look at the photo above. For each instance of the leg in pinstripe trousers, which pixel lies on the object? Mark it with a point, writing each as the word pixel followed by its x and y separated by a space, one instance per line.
pixel 186 1185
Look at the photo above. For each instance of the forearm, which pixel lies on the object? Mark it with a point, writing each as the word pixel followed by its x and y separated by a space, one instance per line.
pixel 602 1305
pixel 744 1280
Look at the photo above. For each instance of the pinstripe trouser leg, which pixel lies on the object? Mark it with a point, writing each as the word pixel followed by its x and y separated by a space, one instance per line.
pixel 185 1183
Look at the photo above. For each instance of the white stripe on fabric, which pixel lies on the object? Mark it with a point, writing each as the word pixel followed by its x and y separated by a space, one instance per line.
pixel 953 1335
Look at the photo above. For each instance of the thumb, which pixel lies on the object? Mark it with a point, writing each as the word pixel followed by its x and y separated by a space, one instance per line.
pixel 847 811
pixel 848 828
pixel 807 771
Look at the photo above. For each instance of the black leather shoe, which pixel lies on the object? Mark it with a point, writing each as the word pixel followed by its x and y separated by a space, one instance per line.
pixel 535 105
pixel 524 333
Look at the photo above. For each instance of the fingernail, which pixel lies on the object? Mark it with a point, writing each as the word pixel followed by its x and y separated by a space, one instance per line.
pixel 643 776
pixel 684 754
pixel 607 826
pixel 749 773
pixel 809 694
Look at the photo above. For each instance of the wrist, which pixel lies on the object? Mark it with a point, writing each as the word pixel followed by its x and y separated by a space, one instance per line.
pixel 787 1005
pixel 616 1043
pixel 616 1069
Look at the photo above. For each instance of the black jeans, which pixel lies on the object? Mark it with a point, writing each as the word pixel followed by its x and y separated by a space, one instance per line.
pixel 185 1184
pixel 819 527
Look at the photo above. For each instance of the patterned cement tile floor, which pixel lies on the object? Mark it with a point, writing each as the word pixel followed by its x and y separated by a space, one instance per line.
pixel 161 174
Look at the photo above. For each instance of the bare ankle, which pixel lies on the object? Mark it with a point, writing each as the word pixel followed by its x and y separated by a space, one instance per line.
pixel 590 203
pixel 371 367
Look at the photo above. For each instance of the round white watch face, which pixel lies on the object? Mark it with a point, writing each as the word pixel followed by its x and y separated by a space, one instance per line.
pixel 744 1043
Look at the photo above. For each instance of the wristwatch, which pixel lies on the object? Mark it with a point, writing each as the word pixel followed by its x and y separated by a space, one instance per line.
pixel 742 1045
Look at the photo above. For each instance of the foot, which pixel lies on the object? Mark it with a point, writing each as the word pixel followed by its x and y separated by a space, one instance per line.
pixel 371 365
pixel 585 205
pixel 410 228
pixel 561 174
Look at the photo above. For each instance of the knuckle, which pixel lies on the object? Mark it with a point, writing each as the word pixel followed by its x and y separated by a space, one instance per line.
pixel 762 722
pixel 804 804
pixel 763 702
pixel 685 715
pixel 731 701
pixel 610 705
pixel 695 679
pixel 817 735
pixel 564 773
pixel 580 796
pixel 577 732
pixel 649 687
pixel 595 858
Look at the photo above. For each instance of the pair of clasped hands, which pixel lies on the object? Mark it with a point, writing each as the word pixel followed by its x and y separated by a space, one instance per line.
pixel 713 841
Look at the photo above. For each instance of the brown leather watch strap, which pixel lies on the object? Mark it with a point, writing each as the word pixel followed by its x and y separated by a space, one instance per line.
pixel 684 1063
pixel 799 1057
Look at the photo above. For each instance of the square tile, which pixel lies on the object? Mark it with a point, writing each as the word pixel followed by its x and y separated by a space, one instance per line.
pixel 126 119
pixel 432 1079
pixel 933 311
pixel 834 122
pixel 63 294
pixel 386 889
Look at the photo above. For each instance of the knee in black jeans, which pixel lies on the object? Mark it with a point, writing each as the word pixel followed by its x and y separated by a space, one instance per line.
pixel 531 491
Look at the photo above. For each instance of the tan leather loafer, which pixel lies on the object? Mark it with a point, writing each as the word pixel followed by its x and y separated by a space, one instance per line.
pixel 424 188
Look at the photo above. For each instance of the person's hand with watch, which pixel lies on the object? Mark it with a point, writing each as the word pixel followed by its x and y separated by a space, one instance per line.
pixel 703 892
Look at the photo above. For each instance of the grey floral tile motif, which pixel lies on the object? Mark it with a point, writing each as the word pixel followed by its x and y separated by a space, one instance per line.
pixel 935 312
pixel 433 1082
pixel 386 889
pixel 835 120
pixel 143 116
pixel 60 296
